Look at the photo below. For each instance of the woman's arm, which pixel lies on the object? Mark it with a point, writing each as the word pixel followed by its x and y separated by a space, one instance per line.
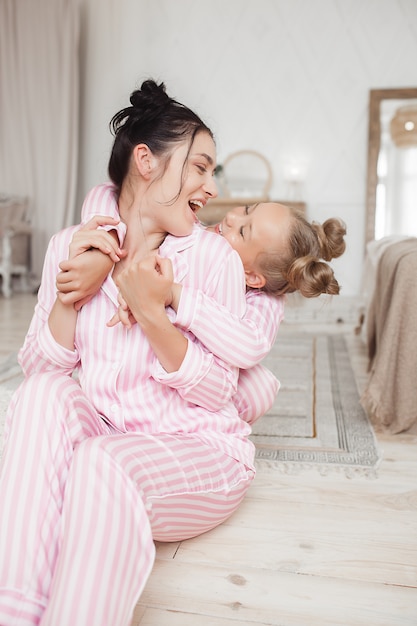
pixel 145 287
pixel 62 320
pixel 182 362
pixel 49 342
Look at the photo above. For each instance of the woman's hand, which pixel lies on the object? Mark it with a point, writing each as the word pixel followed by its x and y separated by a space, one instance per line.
pixel 92 253
pixel 146 287
pixel 146 290
pixel 162 290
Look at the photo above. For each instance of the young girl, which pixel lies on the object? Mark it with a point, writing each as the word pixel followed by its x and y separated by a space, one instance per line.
pixel 281 253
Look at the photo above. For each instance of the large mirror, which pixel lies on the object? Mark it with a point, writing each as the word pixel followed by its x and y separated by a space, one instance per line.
pixel 391 202
pixel 247 174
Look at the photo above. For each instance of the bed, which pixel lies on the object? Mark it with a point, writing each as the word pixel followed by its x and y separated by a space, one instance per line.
pixel 390 333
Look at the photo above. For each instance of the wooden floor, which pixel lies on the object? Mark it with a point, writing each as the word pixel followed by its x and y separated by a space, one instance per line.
pixel 303 550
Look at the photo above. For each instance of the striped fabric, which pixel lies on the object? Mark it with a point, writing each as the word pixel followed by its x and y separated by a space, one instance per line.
pixel 117 368
pixel 248 339
pixel 241 340
pixel 81 505
pixel 95 469
pixel 257 390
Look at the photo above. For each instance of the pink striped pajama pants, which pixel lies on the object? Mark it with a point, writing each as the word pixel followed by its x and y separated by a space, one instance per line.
pixel 81 505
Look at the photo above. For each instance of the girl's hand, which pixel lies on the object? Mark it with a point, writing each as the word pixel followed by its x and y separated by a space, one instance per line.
pixel 81 277
pixel 123 314
pixel 91 258
pixel 91 236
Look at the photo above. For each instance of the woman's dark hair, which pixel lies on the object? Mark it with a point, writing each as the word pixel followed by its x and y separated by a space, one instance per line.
pixel 154 119
pixel 301 266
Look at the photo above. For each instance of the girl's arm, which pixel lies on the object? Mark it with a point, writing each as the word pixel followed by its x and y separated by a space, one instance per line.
pixel 256 391
pixel 93 252
pixel 249 337
pixel 101 200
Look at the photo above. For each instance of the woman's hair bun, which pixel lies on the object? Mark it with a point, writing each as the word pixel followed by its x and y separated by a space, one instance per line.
pixel 150 95
pixel 149 101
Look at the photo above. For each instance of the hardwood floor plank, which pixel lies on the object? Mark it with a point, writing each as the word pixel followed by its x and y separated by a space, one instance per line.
pixel 262 596
pixel 156 617
pixel 397 482
pixel 390 492
pixel 394 488
pixel 328 541
pixel 166 550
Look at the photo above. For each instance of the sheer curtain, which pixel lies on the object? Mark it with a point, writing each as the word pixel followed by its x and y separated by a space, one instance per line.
pixel 39 95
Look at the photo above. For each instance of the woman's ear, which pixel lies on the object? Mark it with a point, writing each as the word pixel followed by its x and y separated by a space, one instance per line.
pixel 144 160
pixel 254 279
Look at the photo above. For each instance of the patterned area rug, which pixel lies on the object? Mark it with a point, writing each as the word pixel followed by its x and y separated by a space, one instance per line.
pixel 317 420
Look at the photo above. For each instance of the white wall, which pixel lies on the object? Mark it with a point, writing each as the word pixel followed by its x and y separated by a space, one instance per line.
pixel 289 78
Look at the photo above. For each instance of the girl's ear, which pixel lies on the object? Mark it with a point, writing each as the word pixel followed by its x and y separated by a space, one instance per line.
pixel 254 279
pixel 144 160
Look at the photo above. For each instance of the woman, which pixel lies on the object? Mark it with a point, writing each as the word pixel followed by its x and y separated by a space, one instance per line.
pixel 147 444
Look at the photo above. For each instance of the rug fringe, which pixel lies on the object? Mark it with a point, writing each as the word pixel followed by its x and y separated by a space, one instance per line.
pixel 295 468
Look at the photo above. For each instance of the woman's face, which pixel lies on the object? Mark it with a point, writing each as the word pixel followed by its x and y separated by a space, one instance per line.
pixel 257 228
pixel 193 174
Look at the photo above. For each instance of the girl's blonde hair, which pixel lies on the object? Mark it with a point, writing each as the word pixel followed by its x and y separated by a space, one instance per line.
pixel 302 265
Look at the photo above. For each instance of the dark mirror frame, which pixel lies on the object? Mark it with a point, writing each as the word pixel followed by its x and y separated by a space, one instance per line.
pixel 374 140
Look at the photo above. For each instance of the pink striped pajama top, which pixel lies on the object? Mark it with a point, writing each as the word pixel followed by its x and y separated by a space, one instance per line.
pixel 117 368
pixel 249 337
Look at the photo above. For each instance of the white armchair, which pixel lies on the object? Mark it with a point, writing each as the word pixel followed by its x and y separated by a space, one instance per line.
pixel 15 235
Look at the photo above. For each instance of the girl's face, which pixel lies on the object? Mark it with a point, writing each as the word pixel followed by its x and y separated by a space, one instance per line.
pixel 257 228
pixel 193 174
